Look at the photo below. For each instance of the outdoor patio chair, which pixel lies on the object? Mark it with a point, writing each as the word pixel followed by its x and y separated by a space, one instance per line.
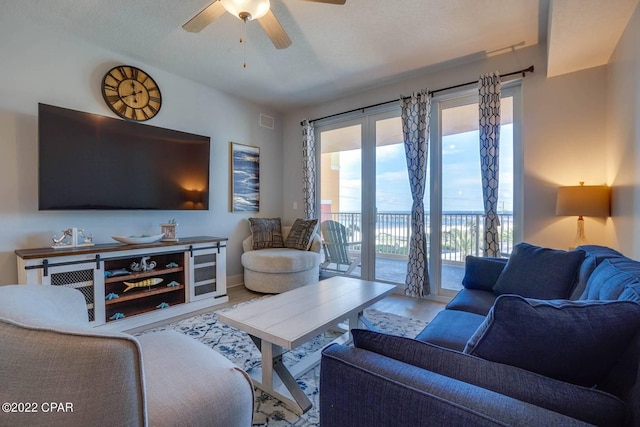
pixel 336 248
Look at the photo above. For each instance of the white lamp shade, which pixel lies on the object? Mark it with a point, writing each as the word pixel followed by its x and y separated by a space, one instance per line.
pixel 255 8
pixel 583 200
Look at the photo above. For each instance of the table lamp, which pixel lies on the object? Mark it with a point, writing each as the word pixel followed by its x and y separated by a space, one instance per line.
pixel 583 200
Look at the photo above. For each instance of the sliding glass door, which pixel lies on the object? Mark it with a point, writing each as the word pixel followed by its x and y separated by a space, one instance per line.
pixel 341 198
pixel 364 189
pixel 393 200
pixel 457 200
pixel 365 192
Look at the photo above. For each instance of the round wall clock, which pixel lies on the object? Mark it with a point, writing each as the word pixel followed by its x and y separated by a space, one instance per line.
pixel 131 93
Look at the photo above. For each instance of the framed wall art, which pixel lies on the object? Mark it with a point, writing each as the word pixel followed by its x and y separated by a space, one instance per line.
pixel 245 178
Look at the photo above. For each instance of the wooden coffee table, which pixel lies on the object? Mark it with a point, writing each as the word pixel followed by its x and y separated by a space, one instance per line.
pixel 290 319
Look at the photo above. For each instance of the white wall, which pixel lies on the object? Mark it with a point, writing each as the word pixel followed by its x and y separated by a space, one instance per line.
pixel 40 64
pixel 563 137
pixel 623 136
pixel 564 124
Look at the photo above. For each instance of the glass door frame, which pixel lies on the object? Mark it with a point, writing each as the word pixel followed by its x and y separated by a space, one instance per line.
pixel 370 167
pixel 438 103
pixel 368 175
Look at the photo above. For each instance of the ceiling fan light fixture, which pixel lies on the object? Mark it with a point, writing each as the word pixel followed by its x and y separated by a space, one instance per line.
pixel 247 9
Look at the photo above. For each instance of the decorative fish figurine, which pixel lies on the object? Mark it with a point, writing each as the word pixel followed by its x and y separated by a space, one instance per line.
pixel 172 265
pixel 117 316
pixel 112 296
pixel 146 283
pixel 173 284
pixel 162 305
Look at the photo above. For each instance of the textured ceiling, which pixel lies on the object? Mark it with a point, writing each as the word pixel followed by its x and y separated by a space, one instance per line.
pixel 583 33
pixel 336 50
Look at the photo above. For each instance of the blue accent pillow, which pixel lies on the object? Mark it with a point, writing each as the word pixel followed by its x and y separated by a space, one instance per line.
pixel 573 341
pixel 482 272
pixel 541 273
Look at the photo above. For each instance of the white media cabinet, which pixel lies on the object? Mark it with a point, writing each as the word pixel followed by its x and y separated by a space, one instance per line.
pixel 193 273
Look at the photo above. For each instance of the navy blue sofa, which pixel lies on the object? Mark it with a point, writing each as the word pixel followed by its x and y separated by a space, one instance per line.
pixel 545 338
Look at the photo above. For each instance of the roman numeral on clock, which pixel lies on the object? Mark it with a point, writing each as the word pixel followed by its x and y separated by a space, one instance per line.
pixel 107 86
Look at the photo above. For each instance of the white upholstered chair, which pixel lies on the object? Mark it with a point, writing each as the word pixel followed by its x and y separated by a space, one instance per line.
pixel 48 353
pixel 278 270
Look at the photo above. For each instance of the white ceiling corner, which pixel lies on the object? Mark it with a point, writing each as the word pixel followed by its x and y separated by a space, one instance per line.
pixel 584 33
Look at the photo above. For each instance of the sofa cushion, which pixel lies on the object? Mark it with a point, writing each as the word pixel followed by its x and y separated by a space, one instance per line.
pixel 594 255
pixel 541 273
pixel 451 329
pixel 282 260
pixel 573 341
pixel 482 273
pixel 301 234
pixel 473 301
pixel 583 403
pixel 266 233
pixel 612 278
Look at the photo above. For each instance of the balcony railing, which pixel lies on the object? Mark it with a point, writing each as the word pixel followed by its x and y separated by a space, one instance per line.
pixel 461 233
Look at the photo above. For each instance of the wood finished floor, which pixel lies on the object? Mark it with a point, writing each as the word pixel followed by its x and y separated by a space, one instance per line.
pixel 396 304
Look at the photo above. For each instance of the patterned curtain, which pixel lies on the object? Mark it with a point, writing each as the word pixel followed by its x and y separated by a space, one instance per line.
pixel 309 169
pixel 489 92
pixel 416 112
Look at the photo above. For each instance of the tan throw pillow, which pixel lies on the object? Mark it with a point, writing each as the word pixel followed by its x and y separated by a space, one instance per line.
pixel 266 233
pixel 301 234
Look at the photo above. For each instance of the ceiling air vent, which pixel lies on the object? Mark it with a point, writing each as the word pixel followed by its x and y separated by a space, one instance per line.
pixel 266 121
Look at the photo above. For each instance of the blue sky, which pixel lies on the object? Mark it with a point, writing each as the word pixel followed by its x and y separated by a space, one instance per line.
pixel 461 176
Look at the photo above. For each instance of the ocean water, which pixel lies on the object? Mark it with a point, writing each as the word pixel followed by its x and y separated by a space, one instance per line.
pixel 246 178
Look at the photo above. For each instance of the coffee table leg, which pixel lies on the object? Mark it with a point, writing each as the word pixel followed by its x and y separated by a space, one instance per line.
pixel 367 324
pixel 292 385
pixel 272 361
pixel 353 321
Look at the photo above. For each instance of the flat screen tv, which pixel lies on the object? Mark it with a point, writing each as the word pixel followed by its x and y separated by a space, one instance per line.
pixel 88 161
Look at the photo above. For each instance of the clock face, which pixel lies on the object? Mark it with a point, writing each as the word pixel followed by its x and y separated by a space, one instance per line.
pixel 131 93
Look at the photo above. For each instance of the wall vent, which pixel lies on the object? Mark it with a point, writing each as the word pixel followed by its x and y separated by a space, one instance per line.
pixel 266 121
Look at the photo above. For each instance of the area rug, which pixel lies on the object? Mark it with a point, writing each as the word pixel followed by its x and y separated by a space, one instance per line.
pixel 238 347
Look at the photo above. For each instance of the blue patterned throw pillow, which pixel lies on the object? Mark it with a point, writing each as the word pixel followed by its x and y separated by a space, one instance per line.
pixel 573 341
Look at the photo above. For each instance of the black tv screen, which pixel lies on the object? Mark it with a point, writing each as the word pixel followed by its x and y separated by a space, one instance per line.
pixel 88 161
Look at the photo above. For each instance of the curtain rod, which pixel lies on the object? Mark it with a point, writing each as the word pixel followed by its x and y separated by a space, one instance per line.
pixel 431 92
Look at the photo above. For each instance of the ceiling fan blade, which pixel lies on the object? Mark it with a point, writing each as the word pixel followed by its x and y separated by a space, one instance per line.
pixel 274 30
pixel 205 17
pixel 329 1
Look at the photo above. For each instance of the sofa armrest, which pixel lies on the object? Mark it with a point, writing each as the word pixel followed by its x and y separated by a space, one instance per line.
pixel 587 404
pixel 316 243
pixel 43 305
pixel 247 244
pixel 362 388
pixel 100 374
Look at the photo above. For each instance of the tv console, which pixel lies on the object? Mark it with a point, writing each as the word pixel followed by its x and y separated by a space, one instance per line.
pixel 170 279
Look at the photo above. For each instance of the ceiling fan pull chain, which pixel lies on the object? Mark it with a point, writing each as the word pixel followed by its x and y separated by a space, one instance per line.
pixel 243 40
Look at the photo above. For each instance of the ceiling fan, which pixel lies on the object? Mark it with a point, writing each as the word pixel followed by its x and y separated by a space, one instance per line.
pixel 247 10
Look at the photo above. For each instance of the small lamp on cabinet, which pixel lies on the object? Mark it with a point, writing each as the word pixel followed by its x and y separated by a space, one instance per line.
pixel 583 200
